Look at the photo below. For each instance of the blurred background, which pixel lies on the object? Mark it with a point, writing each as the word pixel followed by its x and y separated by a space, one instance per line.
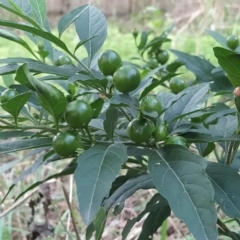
pixel 191 18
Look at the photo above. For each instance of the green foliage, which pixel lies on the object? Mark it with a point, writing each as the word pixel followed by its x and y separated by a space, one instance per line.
pixel 117 149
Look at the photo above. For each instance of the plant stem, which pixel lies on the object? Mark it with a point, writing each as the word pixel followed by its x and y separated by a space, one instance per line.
pixel 71 211
pixel 83 65
pixel 226 230
pixel 89 134
pixel 164 230
pixel 125 114
pixel 216 155
pixel 7 123
pixel 229 153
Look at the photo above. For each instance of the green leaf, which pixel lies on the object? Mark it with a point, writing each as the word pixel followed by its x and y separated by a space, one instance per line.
pixel 143 40
pixel 226 182
pixel 229 61
pixel 23 6
pixel 128 189
pixel 99 223
pixel 173 67
pixel 12 37
pixel 38 32
pixel 18 145
pixel 218 37
pixel 89 231
pixel 18 12
pixel 40 11
pixel 123 100
pixel 156 204
pixel 14 133
pixel 153 221
pixel 69 18
pixel 155 84
pixel 97 169
pixel 5 167
pixel 15 104
pixel 17 60
pixel 221 39
pixel 205 148
pixel 89 81
pixel 179 176
pixel 97 107
pixel 82 43
pixel 203 70
pixel 186 103
pixel 110 122
pixel 91 23
pixel 225 127
pixel 51 98
pixel 8 80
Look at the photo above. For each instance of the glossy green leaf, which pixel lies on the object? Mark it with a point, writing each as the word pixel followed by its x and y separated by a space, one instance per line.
pixel 51 98
pixel 186 103
pixel 13 37
pixel 17 11
pixel 6 166
pixel 23 6
pixel 226 126
pixel 35 31
pixel 155 84
pixel 173 67
pixel 203 70
pixel 225 182
pixel 89 231
pixel 17 60
pixel 40 12
pixel 153 221
pixel 87 80
pixel 69 18
pixel 229 61
pixel 15 104
pixel 97 106
pixel 221 39
pixel 205 149
pixel 82 43
pixel 128 189
pixel 15 133
pixel 23 144
pixel 143 40
pixel 145 82
pixel 99 223
pixel 123 100
pixel 97 168
pixel 179 176
pixel 8 80
pixel 156 205
pixel 91 23
pixel 218 37
pixel 110 122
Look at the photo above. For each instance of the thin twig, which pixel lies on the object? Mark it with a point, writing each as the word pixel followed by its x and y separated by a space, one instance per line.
pixel 225 229
pixel 18 203
pixel 70 200
pixel 71 212
pixel 125 114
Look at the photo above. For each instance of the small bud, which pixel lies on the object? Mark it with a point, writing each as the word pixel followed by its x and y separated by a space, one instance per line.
pixel 135 33
pixel 236 92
